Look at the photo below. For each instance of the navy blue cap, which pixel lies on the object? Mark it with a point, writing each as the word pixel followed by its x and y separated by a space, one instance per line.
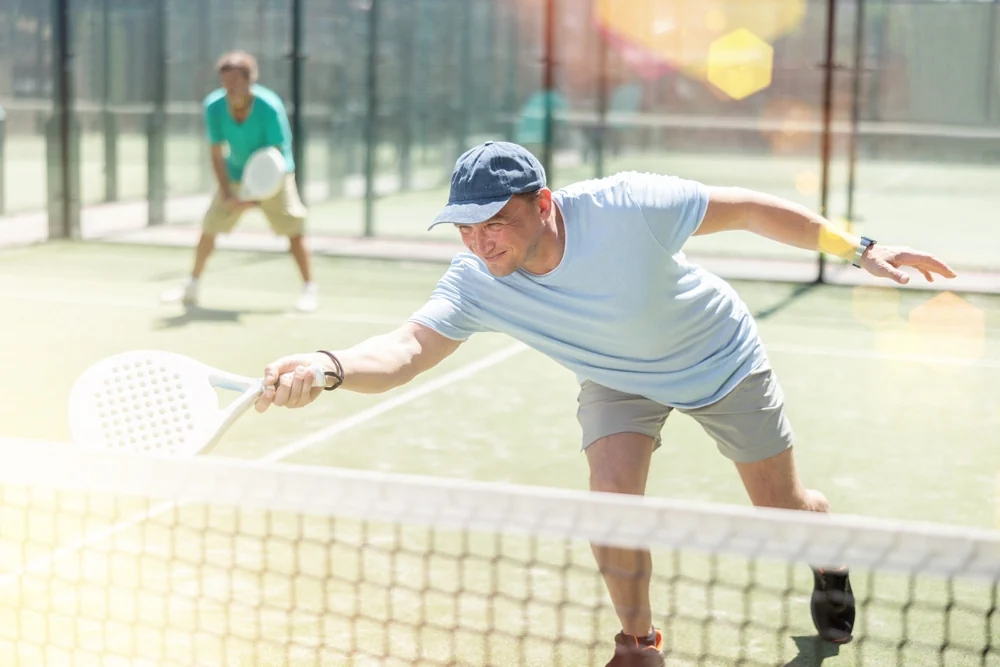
pixel 484 180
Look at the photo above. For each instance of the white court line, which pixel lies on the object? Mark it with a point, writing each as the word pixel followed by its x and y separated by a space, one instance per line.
pixel 392 403
pixel 461 373
pixel 855 353
pixel 119 302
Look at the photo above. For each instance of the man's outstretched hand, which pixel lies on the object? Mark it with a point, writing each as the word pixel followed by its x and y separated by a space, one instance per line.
pixel 884 261
pixel 288 382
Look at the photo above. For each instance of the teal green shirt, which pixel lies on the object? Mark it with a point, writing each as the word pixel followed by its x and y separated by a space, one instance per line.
pixel 267 125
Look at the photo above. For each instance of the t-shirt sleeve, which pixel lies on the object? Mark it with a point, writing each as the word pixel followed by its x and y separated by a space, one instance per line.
pixel 450 310
pixel 673 207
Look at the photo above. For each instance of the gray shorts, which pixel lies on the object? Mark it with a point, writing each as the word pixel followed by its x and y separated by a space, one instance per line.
pixel 748 424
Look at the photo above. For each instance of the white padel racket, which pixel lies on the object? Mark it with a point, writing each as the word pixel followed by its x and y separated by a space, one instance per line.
pixel 263 175
pixel 158 402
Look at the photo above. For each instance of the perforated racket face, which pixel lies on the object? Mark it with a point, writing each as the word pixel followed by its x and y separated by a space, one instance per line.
pixel 263 174
pixel 144 401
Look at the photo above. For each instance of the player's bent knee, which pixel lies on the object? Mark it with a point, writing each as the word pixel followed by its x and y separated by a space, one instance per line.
pixel 774 482
pixel 816 501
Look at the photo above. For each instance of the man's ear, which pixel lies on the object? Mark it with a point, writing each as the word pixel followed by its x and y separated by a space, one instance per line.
pixel 543 200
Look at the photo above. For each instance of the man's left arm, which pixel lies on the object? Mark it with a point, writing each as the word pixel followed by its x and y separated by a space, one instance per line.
pixel 796 225
pixel 279 131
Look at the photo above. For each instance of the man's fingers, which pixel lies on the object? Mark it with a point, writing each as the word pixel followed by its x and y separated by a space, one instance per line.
pixel 923 262
pixel 264 401
pixel 288 382
pixel 295 398
pixel 283 389
pixel 271 372
pixel 892 272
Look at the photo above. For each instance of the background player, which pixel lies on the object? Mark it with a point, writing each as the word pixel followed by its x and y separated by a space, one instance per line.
pixel 242 117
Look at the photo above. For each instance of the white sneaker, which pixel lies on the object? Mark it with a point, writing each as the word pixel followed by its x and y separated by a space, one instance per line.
pixel 186 294
pixel 307 302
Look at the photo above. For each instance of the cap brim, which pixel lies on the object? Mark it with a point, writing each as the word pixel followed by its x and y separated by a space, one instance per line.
pixel 469 214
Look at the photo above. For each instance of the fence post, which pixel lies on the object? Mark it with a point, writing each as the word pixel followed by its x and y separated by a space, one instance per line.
pixel 828 69
pixel 3 162
pixel 62 150
pixel 371 122
pixel 156 155
pixel 852 157
pixel 298 115
pixel 549 85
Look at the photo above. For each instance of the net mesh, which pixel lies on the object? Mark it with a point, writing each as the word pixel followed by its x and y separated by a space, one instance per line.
pixel 118 559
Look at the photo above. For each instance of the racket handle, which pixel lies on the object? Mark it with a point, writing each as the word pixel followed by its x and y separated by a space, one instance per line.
pixel 319 376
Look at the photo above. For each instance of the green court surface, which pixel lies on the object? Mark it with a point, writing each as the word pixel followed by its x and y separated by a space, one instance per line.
pixel 892 396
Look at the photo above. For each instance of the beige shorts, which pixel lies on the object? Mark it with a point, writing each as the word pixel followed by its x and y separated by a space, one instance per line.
pixel 285 212
pixel 748 424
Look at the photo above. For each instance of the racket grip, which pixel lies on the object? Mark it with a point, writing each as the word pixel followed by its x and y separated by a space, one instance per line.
pixel 319 377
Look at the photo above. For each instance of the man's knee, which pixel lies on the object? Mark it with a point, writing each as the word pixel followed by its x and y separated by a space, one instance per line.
pixel 774 482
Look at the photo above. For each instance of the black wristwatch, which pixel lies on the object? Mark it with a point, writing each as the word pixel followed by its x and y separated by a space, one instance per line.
pixel 862 247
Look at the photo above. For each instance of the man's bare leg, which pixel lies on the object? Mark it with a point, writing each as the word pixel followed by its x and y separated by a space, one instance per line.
pixel 187 293
pixel 774 482
pixel 307 299
pixel 206 244
pixel 620 464
pixel 297 246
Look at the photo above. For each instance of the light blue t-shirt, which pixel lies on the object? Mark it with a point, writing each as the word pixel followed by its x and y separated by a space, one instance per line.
pixel 267 125
pixel 624 308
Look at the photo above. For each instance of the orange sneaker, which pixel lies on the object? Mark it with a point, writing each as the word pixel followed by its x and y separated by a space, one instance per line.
pixel 633 651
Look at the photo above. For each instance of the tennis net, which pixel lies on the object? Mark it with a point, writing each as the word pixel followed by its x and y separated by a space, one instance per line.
pixel 109 559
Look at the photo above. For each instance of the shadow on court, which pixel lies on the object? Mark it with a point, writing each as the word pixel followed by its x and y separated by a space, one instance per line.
pixel 234 261
pixel 200 314
pixel 812 651
pixel 790 298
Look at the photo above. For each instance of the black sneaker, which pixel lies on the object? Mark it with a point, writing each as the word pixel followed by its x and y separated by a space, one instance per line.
pixel 833 605
pixel 638 652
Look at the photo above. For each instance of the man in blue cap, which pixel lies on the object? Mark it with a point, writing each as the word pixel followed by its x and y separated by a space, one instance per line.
pixel 593 276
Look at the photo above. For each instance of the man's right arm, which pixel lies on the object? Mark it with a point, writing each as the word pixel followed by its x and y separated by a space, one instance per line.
pixel 385 362
pixel 373 366
pixel 216 141
pixel 221 171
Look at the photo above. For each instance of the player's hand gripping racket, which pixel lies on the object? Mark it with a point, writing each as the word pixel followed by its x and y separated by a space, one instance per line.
pixel 158 402
pixel 263 175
